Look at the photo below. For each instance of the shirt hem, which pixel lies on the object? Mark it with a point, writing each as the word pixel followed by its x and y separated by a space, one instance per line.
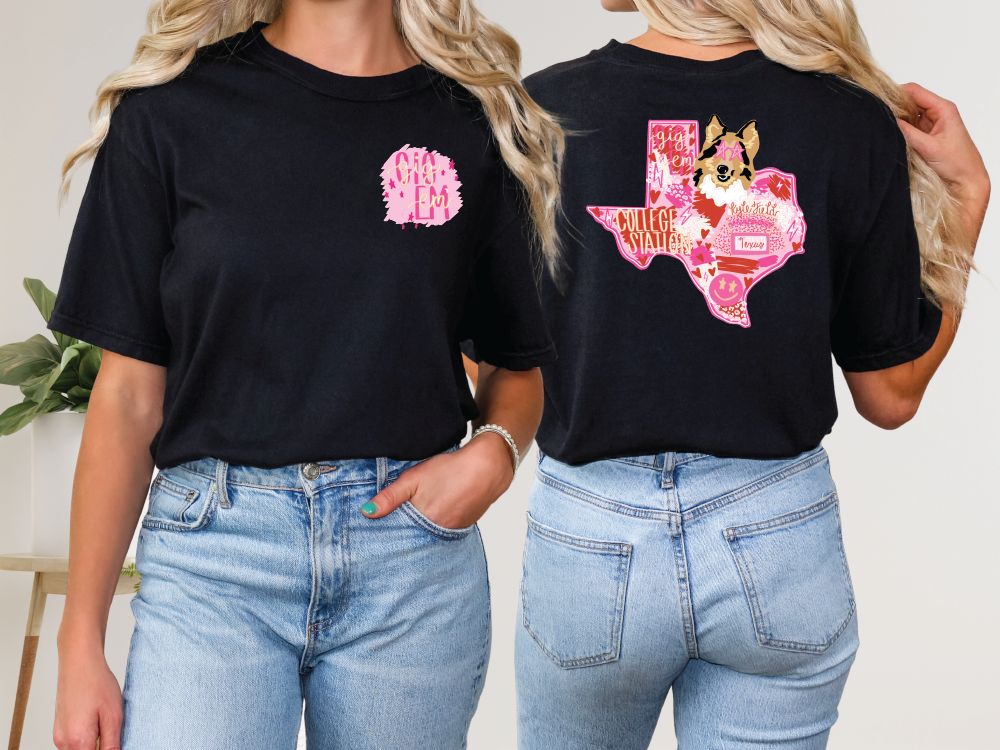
pixel 114 342
pixel 901 355
pixel 519 362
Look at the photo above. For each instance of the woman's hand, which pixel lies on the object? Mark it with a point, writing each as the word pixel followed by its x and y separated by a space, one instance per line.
pixel 88 700
pixel 456 489
pixel 942 139
pixel 453 490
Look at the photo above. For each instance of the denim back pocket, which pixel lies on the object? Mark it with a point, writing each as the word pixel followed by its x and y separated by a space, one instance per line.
pixel 177 503
pixel 795 574
pixel 573 595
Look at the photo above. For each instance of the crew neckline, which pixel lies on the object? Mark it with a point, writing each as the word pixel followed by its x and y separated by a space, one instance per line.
pixel 356 88
pixel 629 54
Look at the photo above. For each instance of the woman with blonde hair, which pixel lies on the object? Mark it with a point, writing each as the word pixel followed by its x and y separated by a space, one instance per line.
pixel 684 529
pixel 297 210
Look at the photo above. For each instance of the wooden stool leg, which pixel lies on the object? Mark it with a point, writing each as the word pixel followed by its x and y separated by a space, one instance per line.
pixel 36 610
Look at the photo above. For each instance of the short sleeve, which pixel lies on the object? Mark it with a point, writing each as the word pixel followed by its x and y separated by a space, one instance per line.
pixel 883 318
pixel 109 295
pixel 503 315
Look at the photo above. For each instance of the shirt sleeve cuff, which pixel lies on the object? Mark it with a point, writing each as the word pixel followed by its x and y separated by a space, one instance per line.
pixel 931 324
pixel 118 343
pixel 517 361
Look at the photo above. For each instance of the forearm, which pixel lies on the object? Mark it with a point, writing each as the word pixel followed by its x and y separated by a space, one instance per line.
pixel 513 400
pixel 109 489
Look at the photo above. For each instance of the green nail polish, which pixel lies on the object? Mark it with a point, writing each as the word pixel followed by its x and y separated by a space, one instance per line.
pixel 369 508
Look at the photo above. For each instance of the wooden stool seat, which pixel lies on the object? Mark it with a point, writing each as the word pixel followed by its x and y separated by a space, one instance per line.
pixel 51 576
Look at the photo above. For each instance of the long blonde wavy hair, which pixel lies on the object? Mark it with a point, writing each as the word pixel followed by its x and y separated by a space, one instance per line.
pixel 824 36
pixel 450 35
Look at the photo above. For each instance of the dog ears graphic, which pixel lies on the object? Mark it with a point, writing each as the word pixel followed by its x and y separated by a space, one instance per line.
pixel 714 129
pixel 748 134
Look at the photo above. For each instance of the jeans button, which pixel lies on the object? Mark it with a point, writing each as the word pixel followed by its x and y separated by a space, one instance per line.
pixel 311 471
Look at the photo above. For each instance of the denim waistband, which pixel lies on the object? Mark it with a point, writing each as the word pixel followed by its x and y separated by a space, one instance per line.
pixel 302 477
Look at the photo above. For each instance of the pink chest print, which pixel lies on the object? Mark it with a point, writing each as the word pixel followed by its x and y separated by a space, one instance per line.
pixel 420 187
pixel 729 226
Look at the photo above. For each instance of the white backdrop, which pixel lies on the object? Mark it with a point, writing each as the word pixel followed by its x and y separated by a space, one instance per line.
pixel 919 505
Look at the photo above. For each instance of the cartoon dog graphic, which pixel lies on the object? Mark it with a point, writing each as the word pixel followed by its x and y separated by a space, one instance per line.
pixel 724 170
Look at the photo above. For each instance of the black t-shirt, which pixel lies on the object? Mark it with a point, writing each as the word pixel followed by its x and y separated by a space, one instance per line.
pixel 781 203
pixel 303 251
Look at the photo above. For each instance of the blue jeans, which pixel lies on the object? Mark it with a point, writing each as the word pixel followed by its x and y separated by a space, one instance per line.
pixel 264 588
pixel 722 579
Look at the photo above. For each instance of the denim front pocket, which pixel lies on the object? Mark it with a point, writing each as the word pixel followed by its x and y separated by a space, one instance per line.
pixel 180 505
pixel 795 574
pixel 573 595
pixel 436 529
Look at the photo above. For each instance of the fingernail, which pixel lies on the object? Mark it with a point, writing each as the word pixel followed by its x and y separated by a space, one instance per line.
pixel 369 508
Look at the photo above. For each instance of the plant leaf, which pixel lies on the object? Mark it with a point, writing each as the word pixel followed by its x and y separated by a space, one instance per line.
pixel 90 363
pixel 38 391
pixel 68 379
pixel 20 415
pixel 80 408
pixel 18 362
pixel 64 341
pixel 43 297
pixel 78 395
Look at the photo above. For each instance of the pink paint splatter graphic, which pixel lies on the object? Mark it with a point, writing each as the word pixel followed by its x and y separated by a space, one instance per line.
pixel 730 224
pixel 428 187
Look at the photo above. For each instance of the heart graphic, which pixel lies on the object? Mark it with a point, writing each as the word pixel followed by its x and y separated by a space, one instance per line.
pixel 697 271
pixel 654 195
pixel 691 142
pixel 686 181
pixel 652 157
pixel 708 245
pixel 701 257
pixel 704 233
pixel 711 271
pixel 748 281
pixel 595 211
pixel 796 246
pixel 691 128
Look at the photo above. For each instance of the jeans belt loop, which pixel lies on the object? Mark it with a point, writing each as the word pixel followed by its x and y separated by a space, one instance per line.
pixel 669 461
pixel 221 480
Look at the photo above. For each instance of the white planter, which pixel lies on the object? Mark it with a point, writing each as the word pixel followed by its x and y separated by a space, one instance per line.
pixel 55 444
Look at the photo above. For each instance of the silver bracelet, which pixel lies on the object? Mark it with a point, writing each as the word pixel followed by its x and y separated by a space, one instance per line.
pixel 515 456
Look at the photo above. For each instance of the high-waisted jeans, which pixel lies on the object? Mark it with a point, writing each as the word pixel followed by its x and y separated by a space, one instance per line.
pixel 724 580
pixel 264 588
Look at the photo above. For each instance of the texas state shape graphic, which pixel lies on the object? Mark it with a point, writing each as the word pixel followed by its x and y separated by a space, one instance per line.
pixel 727 222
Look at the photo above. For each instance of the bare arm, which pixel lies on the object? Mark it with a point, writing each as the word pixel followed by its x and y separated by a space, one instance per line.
pixel 109 489
pixel 456 489
pixel 889 398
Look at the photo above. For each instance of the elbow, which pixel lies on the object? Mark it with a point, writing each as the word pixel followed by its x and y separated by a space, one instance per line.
pixel 892 414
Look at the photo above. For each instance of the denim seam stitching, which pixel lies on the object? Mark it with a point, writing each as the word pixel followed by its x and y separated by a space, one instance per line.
pixel 432 528
pixel 310 645
pixel 289 489
pixel 345 587
pixel 684 594
pixel 611 505
pixel 782 521
pixel 200 523
pixel 754 487
pixel 591 545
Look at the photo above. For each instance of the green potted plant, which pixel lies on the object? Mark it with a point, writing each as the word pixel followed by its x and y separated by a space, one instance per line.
pixel 55 380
